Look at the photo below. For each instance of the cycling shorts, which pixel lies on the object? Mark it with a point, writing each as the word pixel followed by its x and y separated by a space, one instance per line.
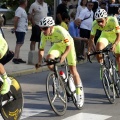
pixel 106 41
pixel 57 51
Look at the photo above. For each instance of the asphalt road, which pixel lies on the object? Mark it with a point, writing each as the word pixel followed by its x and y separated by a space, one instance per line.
pixel 96 107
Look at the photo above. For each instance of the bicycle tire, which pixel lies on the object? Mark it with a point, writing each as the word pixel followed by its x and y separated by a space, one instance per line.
pixel 116 79
pixel 108 86
pixel 12 109
pixel 54 95
pixel 80 107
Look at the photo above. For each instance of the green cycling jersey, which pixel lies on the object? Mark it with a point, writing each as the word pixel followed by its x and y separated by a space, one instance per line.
pixel 61 39
pixel 3 46
pixel 109 31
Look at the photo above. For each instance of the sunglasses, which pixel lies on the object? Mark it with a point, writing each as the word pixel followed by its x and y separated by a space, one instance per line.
pixel 100 21
pixel 44 28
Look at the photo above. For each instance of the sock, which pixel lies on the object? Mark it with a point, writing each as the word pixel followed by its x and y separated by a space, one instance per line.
pixel 101 63
pixel 4 76
pixel 78 91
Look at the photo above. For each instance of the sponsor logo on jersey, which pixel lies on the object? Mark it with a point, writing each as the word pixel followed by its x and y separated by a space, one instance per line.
pixel 118 28
pixel 66 40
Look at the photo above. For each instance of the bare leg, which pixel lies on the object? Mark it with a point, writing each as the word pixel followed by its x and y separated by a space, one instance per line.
pixel 51 57
pixel 32 45
pixel 2 70
pixel 17 50
pixel 75 74
pixel 100 46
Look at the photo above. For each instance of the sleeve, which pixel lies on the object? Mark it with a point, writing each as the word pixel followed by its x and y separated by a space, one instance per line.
pixel 31 9
pixel 82 14
pixel 94 29
pixel 72 31
pixel 42 42
pixel 66 38
pixel 78 12
pixel 117 27
pixel 18 13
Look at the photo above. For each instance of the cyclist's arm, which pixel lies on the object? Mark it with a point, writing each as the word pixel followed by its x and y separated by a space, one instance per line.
pixel 64 55
pixel 90 43
pixel 117 39
pixel 40 56
pixel 16 19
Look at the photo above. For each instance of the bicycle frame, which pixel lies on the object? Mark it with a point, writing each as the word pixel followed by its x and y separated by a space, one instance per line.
pixel 108 74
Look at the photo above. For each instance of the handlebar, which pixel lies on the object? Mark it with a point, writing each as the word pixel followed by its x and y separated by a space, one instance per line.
pixel 51 61
pixel 105 50
pixel 48 62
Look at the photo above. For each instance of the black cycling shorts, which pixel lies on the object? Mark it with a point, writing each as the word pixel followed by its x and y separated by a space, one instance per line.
pixel 7 57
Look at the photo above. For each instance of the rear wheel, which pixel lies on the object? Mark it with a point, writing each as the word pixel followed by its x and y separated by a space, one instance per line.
pixel 12 102
pixel 116 82
pixel 108 85
pixel 56 94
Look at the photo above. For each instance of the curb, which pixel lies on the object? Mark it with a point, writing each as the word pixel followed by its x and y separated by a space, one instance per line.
pixel 32 71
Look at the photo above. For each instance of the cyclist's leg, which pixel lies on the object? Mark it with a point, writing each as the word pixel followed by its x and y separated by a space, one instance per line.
pixel 6 81
pixel 71 58
pixel 101 44
pixel 54 52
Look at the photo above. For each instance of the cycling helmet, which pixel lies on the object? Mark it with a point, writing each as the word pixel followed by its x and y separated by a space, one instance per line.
pixel 101 13
pixel 46 22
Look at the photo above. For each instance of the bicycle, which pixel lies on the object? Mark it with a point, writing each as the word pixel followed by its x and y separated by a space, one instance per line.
pixel 57 89
pixel 11 104
pixel 108 74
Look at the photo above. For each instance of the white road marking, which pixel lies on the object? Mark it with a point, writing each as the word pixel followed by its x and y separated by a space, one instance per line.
pixel 87 116
pixel 27 112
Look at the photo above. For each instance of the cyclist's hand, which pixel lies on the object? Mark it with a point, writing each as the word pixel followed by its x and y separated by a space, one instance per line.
pixel 37 65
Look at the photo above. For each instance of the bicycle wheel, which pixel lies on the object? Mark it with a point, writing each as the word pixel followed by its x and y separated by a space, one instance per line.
pixel 56 94
pixel 81 98
pixel 116 79
pixel 108 85
pixel 12 102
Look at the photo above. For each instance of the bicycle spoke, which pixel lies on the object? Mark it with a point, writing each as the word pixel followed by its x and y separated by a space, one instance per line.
pixel 54 98
pixel 56 94
pixel 62 99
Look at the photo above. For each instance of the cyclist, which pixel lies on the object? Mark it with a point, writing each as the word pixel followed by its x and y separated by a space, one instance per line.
pixel 110 34
pixel 63 46
pixel 5 56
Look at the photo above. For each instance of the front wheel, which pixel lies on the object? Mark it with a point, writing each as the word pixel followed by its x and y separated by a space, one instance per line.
pixel 12 102
pixel 56 94
pixel 108 85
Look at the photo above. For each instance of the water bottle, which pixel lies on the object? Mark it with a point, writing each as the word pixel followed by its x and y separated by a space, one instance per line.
pixel 63 76
pixel 71 84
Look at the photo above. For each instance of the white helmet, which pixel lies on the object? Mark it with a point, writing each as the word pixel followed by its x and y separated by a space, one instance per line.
pixel 101 13
pixel 46 22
